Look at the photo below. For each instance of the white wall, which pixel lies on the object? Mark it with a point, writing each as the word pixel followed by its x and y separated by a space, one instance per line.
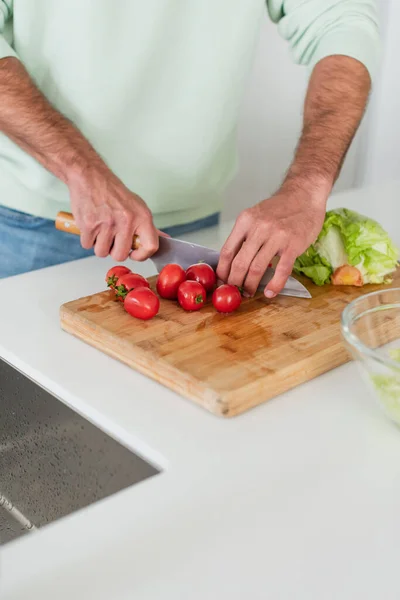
pixel 270 124
pixel 380 149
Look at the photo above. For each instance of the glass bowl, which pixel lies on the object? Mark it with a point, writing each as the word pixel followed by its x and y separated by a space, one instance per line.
pixel 371 330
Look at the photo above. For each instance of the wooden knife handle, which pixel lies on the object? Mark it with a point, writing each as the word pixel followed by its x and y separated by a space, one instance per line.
pixel 66 222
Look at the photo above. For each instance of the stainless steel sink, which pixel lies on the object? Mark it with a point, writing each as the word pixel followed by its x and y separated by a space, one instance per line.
pixel 53 461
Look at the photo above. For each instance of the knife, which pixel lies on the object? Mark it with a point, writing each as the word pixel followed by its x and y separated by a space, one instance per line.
pixel 186 254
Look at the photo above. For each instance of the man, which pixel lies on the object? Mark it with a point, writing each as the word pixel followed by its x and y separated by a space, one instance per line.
pixel 125 111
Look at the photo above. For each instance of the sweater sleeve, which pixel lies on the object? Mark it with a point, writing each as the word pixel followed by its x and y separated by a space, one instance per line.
pixel 5 15
pixel 319 28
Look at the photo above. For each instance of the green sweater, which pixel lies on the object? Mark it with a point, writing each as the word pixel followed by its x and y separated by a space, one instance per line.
pixel 156 86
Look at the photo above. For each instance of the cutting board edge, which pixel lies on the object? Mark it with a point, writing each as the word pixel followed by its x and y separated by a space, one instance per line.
pixel 234 399
pixel 179 382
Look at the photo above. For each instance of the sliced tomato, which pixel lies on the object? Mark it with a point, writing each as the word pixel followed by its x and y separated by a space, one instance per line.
pixel 169 280
pixel 114 273
pixel 204 274
pixel 191 295
pixel 347 275
pixel 226 298
pixel 129 282
pixel 142 303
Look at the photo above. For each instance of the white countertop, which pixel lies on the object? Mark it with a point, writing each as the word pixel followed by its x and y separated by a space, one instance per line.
pixel 297 499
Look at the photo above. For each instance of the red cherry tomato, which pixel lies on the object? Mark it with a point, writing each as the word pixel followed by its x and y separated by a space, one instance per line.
pixel 129 282
pixel 191 295
pixel 142 303
pixel 226 298
pixel 169 280
pixel 204 274
pixel 114 273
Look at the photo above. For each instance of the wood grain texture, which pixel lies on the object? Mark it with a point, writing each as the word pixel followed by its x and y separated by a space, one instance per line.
pixel 226 363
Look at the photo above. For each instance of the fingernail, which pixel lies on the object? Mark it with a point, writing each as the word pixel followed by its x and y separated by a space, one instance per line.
pixel 246 295
pixel 270 294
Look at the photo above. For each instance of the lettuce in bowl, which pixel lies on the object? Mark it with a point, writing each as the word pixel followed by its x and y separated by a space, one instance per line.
pixel 387 387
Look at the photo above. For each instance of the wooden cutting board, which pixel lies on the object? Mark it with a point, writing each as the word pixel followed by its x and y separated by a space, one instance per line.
pixel 226 363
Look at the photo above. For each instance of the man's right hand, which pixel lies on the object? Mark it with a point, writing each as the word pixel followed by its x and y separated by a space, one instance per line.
pixel 109 215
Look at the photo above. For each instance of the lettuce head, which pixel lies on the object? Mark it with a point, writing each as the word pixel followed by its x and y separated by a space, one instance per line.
pixel 348 238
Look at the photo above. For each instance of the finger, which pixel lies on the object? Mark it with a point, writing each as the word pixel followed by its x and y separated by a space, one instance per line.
pixel 89 233
pixel 257 269
pixel 88 238
pixel 242 261
pixel 104 242
pixel 283 271
pixel 229 251
pixel 122 243
pixel 148 237
pixel 89 227
pixel 163 234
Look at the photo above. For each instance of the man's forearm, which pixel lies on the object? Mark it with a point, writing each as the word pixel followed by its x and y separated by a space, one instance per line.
pixel 106 211
pixel 29 120
pixel 335 103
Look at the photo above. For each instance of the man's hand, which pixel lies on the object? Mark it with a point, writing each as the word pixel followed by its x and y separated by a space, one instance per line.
pixel 109 215
pixel 284 225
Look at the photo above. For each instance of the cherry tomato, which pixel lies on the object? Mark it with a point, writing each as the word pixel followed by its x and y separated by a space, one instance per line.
pixel 204 274
pixel 169 280
pixel 128 282
pixel 191 295
pixel 142 303
pixel 226 298
pixel 114 273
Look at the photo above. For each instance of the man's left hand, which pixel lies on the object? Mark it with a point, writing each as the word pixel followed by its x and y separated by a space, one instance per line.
pixel 284 225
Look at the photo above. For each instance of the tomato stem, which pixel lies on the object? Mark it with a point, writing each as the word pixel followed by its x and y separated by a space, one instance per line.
pixel 121 291
pixel 111 281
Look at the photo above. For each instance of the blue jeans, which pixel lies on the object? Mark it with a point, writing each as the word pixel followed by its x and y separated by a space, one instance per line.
pixel 28 243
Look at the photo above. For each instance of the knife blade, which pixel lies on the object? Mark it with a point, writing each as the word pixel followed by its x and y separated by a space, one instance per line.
pixel 172 250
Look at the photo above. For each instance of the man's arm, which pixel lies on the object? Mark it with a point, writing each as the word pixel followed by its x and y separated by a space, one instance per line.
pixel 286 224
pixel 107 213
pixel 339 40
pixel 334 106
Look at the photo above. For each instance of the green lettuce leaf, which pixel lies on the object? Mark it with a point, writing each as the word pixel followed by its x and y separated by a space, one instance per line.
pixel 313 266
